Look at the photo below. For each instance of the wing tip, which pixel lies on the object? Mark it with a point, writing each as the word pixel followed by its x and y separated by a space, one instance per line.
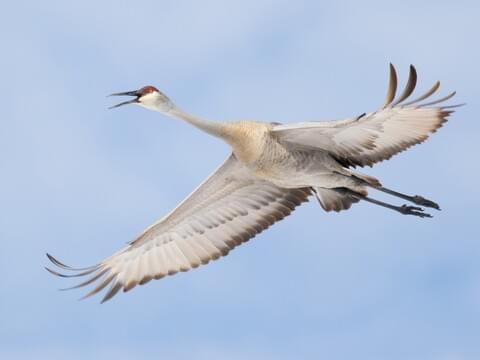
pixel 61 265
pixel 392 86
pixel 409 87
pixel 408 90
pixel 441 100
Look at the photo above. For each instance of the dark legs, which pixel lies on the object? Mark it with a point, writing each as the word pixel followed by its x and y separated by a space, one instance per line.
pixel 366 181
pixel 416 199
pixel 404 209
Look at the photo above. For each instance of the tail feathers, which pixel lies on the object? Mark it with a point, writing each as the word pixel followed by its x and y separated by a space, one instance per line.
pixel 336 199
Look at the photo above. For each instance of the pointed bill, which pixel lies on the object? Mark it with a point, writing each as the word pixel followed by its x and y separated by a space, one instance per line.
pixel 126 93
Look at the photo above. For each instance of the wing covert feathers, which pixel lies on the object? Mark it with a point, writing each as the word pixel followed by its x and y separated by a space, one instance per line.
pixel 228 209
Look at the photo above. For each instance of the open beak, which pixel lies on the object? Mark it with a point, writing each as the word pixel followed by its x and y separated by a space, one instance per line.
pixel 135 93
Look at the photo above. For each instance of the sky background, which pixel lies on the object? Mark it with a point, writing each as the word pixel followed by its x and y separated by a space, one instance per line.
pixel 79 181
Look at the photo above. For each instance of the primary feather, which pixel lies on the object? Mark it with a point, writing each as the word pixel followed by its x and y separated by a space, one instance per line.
pixel 375 136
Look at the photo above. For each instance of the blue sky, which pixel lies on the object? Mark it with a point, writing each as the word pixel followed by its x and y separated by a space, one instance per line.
pixel 80 181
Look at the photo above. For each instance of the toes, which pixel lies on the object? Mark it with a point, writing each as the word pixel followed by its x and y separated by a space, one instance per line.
pixel 422 215
pixel 420 200
pixel 414 210
pixel 409 208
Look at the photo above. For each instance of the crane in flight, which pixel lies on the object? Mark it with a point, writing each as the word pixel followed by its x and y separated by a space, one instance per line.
pixel 272 169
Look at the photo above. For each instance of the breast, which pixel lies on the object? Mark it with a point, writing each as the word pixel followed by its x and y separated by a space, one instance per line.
pixel 249 140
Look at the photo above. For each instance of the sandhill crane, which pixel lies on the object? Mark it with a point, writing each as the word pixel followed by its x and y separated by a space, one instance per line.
pixel 273 168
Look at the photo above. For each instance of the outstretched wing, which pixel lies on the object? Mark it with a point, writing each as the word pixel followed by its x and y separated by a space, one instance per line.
pixel 229 208
pixel 377 136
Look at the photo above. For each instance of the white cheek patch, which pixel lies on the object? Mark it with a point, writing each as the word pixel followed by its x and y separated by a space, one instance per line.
pixel 156 101
pixel 149 99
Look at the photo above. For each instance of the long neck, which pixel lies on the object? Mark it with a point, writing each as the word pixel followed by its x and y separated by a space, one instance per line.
pixel 210 127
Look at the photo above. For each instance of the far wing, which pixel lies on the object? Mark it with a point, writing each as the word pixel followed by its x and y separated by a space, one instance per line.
pixel 377 136
pixel 229 208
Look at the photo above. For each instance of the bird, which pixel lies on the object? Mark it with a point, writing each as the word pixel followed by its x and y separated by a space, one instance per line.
pixel 272 169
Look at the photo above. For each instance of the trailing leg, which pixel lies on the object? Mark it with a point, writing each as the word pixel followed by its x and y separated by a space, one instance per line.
pixel 416 199
pixel 338 199
pixel 404 209
pixel 375 184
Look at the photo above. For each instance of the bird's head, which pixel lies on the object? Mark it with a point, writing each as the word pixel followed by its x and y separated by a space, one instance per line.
pixel 149 97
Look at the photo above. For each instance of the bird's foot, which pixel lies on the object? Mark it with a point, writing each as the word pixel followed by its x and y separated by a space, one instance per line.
pixel 420 200
pixel 413 210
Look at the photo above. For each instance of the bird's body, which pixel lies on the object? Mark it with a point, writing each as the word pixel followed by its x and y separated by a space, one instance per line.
pixel 272 169
pixel 257 147
pixel 288 166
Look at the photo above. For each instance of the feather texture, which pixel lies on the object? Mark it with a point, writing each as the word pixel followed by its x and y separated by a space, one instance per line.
pixel 376 136
pixel 229 208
